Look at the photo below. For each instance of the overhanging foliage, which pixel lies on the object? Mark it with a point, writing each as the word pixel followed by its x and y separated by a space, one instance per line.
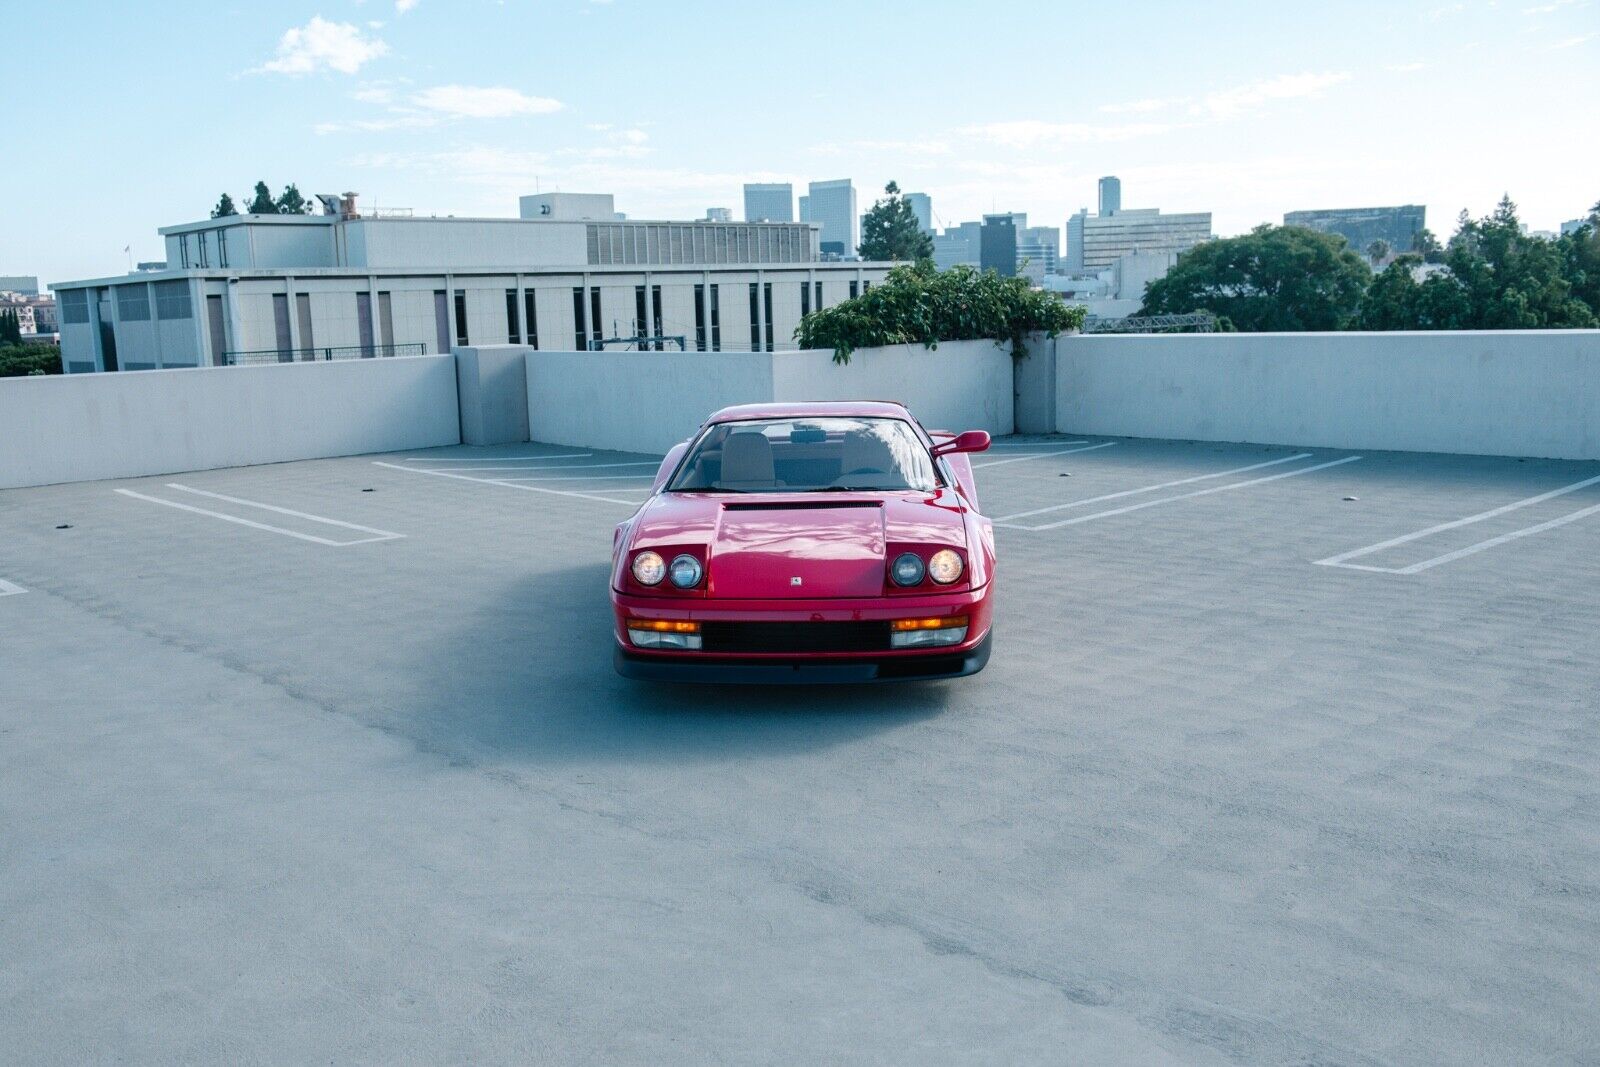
pixel 918 304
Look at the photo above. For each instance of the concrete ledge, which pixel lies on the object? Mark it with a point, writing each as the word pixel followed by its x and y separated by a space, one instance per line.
pixel 85 427
pixel 1510 393
pixel 492 381
pixel 649 401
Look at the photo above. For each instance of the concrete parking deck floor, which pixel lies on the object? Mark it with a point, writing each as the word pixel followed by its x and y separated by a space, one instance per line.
pixel 326 761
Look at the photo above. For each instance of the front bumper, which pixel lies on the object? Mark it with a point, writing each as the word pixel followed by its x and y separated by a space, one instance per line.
pixel 781 670
pixel 814 664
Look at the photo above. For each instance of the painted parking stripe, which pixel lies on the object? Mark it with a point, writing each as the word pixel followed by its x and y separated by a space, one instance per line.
pixel 10 588
pixel 1033 444
pixel 582 478
pixel 507 484
pixel 1183 496
pixel 1417 535
pixel 1151 488
pixel 381 535
pixel 554 467
pixel 492 459
pixel 1044 455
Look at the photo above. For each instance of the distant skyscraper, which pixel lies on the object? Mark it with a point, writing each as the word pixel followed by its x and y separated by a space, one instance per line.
pixel 1395 226
pixel 1110 195
pixel 1038 251
pixel 769 202
pixel 833 204
pixel 922 208
pixel 997 249
pixel 719 214
pixel 1573 225
pixel 957 245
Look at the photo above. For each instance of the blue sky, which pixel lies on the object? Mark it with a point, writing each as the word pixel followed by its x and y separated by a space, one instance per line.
pixel 1249 109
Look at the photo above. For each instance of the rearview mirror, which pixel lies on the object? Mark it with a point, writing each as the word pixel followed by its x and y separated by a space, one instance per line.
pixel 970 441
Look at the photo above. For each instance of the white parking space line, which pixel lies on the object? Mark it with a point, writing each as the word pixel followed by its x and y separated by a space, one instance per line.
pixel 1033 444
pixel 492 459
pixel 1181 496
pixel 507 484
pixel 1151 488
pixel 380 535
pixel 10 588
pixel 1044 455
pixel 582 478
pixel 553 467
pixel 1340 560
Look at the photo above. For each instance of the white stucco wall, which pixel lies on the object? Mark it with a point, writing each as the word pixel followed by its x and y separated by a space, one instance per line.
pixel 649 401
pixel 85 427
pixel 1514 392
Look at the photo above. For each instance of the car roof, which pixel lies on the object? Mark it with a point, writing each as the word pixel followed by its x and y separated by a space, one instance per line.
pixel 843 408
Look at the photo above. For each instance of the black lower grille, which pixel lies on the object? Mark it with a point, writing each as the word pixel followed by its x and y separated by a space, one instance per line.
pixel 778 637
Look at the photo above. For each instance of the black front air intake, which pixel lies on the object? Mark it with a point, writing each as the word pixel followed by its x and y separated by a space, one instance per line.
pixel 781 637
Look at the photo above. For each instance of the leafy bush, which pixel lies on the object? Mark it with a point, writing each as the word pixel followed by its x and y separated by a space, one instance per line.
pixel 918 304
pixel 18 361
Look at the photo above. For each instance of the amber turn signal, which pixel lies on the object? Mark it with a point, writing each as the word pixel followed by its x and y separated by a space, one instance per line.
pixel 946 623
pixel 665 626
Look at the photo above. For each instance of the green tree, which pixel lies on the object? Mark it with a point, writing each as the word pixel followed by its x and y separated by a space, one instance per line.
pixel 890 230
pixel 292 203
pixel 1272 278
pixel 1396 300
pixel 10 328
pixel 263 204
pixel 1580 261
pixel 1378 251
pixel 918 304
pixel 224 207
pixel 1426 245
pixel 1513 281
pixel 17 361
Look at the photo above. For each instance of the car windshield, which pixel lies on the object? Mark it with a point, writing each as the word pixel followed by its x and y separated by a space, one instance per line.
pixel 806 455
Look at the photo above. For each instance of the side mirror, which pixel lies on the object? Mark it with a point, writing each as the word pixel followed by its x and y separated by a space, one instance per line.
pixel 970 441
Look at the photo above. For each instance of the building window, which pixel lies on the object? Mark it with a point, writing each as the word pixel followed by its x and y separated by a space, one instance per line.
pixel 172 301
pixel 222 248
pixel 74 306
pixel 580 338
pixel 513 314
pixel 364 324
pixel 386 323
pixel 308 341
pixel 200 238
pixel 855 290
pixel 755 317
pixel 133 303
pixel 532 308
pixel 183 249
pixel 716 318
pixel 655 305
pixel 596 330
pixel 700 318
pixel 766 301
pixel 441 320
pixel 461 318
pixel 805 299
pixel 639 324
pixel 865 286
pixel 280 327
pixel 816 297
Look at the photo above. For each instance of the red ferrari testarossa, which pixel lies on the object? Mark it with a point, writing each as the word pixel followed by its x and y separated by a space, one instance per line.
pixel 827 542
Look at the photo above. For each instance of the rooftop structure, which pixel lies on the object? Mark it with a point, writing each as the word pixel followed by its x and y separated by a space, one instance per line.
pixel 293 287
pixel 566 207
pixel 26 284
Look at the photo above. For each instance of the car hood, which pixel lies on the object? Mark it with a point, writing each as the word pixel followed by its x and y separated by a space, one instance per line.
pixel 785 546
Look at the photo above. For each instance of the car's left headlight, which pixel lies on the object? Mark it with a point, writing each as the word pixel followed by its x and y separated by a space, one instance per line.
pixel 685 571
pixel 944 566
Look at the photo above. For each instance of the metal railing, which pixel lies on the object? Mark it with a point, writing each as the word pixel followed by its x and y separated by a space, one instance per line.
pixel 1196 322
pixel 317 355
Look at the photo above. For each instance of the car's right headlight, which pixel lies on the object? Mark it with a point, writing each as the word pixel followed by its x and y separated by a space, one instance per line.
pixel 944 566
pixel 649 568
pixel 907 569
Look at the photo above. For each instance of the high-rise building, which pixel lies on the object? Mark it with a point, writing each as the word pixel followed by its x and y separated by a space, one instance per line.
pixel 26 284
pixel 833 205
pixel 1038 251
pixel 1094 242
pixel 922 208
pixel 1396 227
pixel 957 245
pixel 997 249
pixel 1570 226
pixel 719 214
pixel 769 202
pixel 1110 195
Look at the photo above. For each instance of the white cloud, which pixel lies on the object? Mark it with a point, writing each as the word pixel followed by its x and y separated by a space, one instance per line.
pixel 321 45
pixel 402 6
pixel 373 95
pixel 1033 133
pixel 1406 68
pixel 1142 107
pixel 1573 42
pixel 482 102
pixel 1231 103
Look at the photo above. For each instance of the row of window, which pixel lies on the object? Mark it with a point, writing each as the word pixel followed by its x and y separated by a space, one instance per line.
pixel 202 248
pixel 133 303
pixel 668 243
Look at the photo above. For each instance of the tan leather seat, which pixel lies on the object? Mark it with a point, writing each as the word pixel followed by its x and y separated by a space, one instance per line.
pixel 747 462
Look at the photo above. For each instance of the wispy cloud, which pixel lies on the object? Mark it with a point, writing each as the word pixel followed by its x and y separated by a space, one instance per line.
pixel 1143 107
pixel 1573 42
pixel 402 6
pixel 1033 133
pixel 1218 105
pixel 440 104
pixel 320 46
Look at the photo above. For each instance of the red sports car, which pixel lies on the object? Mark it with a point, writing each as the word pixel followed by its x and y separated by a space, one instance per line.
pixel 787 543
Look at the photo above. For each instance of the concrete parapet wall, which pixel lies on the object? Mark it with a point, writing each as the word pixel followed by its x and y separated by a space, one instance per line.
pixel 1512 392
pixel 85 427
